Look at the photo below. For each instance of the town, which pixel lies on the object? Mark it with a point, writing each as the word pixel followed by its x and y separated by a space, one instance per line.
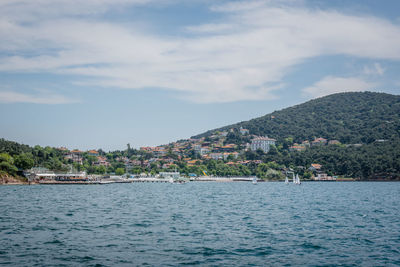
pixel 235 153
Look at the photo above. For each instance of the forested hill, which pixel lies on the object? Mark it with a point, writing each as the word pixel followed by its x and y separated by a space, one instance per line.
pixel 348 117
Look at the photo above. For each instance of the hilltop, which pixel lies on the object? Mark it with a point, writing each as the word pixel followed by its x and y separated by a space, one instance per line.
pixel 350 118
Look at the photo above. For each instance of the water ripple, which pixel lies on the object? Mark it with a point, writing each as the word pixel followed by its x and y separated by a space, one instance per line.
pixel 316 224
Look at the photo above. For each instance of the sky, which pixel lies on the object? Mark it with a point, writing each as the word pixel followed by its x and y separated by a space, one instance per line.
pixel 104 73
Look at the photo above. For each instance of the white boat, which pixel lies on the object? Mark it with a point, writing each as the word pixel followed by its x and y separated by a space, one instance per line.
pixel 254 180
pixel 294 179
pixel 286 180
pixel 297 179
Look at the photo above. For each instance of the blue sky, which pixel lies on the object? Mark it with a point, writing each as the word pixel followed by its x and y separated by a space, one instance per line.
pixel 104 73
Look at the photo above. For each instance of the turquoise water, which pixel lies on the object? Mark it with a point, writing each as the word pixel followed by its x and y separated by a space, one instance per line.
pixel 203 223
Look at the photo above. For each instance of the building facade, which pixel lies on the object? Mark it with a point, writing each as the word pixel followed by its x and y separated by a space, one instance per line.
pixel 262 143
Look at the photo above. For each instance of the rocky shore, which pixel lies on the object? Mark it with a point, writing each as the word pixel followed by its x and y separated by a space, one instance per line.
pixel 12 180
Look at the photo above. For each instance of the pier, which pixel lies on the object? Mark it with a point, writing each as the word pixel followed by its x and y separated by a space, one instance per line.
pixel 223 179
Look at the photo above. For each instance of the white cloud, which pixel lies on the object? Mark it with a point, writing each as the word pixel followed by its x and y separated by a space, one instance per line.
pixel 330 85
pixel 375 69
pixel 52 99
pixel 243 57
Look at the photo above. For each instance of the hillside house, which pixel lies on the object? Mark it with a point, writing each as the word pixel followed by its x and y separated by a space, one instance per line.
pixel 315 167
pixel 243 131
pixel 93 153
pixel 319 142
pixel 297 147
pixel 101 161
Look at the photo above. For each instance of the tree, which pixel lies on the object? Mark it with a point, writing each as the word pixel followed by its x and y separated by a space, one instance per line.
pixel 307 175
pixel 24 161
pixel 273 175
pixel 119 171
pixel 272 150
pixel 8 168
pixel 100 170
pixel 5 157
pixel 6 164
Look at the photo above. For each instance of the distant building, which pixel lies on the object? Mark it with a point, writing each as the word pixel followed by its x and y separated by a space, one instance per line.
pixel 192 162
pixel 243 131
pixel 315 167
pixel 75 156
pixel 333 142
pixel 306 143
pixel 233 154
pixel 216 156
pixel 93 153
pixel 228 148
pixel 197 148
pixel 324 177
pixel 159 151
pixel 262 143
pixel 101 161
pixel 297 147
pixel 319 141
pixel 204 150
pixel 224 133
pixel 39 173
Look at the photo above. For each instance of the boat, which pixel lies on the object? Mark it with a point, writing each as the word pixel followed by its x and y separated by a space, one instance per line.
pixel 297 179
pixel 254 180
pixel 286 180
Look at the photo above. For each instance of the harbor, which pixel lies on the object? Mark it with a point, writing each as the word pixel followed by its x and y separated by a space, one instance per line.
pixel 47 177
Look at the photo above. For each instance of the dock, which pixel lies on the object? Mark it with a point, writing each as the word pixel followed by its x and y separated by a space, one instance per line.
pixel 223 179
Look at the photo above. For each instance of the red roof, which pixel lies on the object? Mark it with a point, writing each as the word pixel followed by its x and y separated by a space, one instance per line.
pixel 316 166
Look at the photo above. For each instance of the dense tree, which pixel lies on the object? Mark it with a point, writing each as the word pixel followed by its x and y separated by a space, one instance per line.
pixel 24 161
pixel 6 164
pixel 350 118
pixel 119 171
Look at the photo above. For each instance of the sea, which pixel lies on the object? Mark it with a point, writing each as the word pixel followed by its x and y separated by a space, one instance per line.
pixel 201 223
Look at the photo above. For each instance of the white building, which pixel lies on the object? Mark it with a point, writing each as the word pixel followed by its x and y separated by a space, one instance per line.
pixel 204 150
pixel 324 177
pixel 216 156
pixel 262 143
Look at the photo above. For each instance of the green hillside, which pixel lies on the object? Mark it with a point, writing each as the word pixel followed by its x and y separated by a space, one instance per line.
pixel 348 117
pixel 366 124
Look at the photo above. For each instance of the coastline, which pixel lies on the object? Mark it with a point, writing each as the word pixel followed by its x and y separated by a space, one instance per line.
pixel 13 180
pixel 20 181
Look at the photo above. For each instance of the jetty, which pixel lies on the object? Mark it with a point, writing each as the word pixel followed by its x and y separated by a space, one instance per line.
pixel 225 179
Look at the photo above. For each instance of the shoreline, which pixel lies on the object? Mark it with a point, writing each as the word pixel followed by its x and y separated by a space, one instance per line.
pixel 222 180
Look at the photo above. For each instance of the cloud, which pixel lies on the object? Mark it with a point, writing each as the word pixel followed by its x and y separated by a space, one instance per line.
pixel 243 56
pixel 375 69
pixel 51 99
pixel 330 85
